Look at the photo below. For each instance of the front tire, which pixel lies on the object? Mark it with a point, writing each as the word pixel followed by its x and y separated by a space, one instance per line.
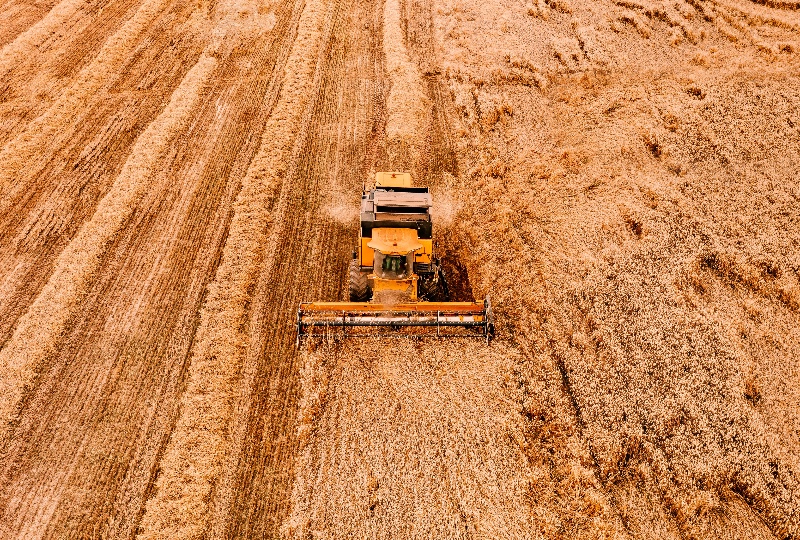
pixel 359 284
pixel 433 287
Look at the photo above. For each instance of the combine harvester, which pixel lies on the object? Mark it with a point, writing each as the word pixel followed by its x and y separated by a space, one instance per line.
pixel 397 285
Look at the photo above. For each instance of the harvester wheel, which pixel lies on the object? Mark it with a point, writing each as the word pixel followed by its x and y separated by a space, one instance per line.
pixel 433 287
pixel 359 285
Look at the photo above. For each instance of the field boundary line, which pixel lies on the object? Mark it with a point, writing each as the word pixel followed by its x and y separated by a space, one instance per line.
pixel 194 460
pixel 21 152
pixel 39 330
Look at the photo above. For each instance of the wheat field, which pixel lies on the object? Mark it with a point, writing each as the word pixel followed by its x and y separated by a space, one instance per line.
pixel 620 177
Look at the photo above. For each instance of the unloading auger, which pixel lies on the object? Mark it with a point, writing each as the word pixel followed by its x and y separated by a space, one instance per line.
pixel 397 285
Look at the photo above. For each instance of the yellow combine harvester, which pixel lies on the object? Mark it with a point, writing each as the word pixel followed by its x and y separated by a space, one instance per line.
pixel 396 282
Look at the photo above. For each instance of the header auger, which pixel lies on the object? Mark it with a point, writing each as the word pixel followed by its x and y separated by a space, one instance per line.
pixel 397 285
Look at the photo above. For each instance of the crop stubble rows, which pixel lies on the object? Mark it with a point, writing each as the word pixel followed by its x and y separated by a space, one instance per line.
pixel 105 403
pixel 46 201
pixel 204 436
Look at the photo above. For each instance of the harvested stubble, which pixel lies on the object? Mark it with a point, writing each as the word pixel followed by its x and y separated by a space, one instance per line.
pixel 406 439
pixel 38 332
pixel 440 439
pixel 194 458
pixel 636 225
pixel 17 18
pixel 19 157
pixel 28 42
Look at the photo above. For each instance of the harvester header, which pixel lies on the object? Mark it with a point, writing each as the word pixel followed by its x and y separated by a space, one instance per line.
pixel 397 284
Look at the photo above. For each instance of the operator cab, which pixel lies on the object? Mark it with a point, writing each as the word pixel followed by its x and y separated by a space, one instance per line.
pixel 394 252
pixel 393 266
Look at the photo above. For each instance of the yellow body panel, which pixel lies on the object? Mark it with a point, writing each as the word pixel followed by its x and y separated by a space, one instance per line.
pixel 395 241
pixel 367 253
pixel 424 255
pixel 392 179
pixel 405 286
